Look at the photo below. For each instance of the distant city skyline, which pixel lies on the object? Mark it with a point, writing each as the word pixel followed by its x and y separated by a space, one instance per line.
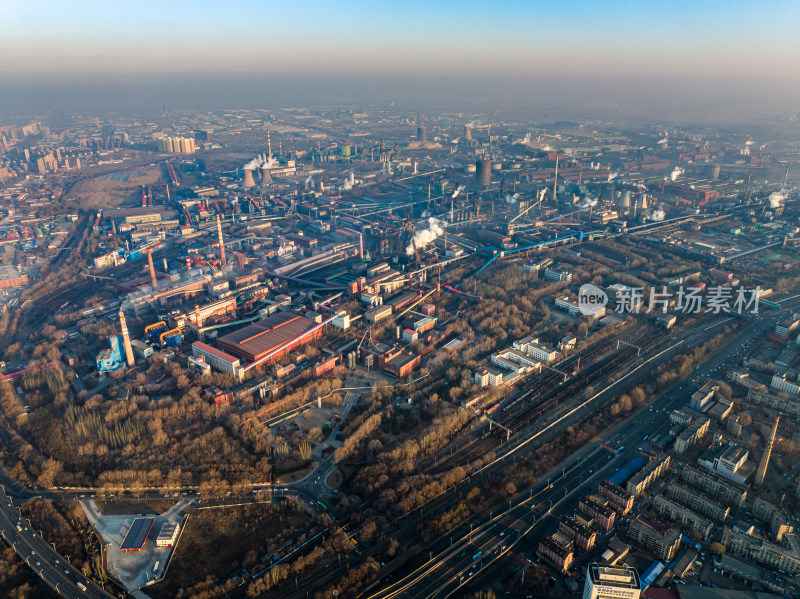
pixel 579 53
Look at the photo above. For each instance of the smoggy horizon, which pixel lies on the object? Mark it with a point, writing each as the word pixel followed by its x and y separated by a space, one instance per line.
pixel 723 60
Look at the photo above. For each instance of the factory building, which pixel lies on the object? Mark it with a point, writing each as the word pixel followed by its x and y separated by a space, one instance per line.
pixel 217 359
pixel 283 330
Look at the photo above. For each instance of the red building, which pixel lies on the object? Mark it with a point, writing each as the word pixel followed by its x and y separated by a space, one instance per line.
pixel 277 335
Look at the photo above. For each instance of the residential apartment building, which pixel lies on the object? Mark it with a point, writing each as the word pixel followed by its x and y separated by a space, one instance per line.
pixel 657 466
pixel 599 510
pixel 683 516
pixel 703 397
pixel 726 492
pixel 692 434
pixel 583 536
pixel 662 541
pixel 558 556
pixel 699 502
pixel 620 499
pixel 782 383
pixel 786 405
pixel 778 557
pixel 551 274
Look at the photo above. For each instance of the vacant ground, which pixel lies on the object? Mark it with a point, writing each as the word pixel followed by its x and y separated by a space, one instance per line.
pixel 131 506
pixel 218 542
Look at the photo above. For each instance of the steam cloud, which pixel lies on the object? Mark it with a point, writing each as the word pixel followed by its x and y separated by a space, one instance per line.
pixel 426 236
pixel 776 199
pixel 658 215
pixel 512 199
pixel 261 160
pixel 676 173
pixel 612 176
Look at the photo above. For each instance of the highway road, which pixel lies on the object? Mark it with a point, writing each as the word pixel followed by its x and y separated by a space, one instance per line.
pixel 41 557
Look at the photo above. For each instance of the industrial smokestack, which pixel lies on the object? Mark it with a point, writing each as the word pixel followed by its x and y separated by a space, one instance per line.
pixel 221 244
pixel 153 280
pixel 269 145
pixel 555 183
pixel 249 180
pixel 361 246
pixel 126 339
pixel 468 133
pixel 166 267
pixel 197 319
pixel 762 467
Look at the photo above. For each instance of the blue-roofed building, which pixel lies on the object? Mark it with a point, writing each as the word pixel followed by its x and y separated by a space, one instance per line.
pixel 649 576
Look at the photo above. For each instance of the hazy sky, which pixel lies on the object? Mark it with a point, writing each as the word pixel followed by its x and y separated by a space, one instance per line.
pixel 609 53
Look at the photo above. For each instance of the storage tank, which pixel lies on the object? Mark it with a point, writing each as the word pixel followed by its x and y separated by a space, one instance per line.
pixel 483 172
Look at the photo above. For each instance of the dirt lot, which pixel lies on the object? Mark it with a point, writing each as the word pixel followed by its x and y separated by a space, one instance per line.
pixel 146 506
pixel 113 189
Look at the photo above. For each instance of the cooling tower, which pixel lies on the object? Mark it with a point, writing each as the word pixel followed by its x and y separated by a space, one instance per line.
pixel 422 133
pixel 126 339
pixel 266 178
pixel 468 133
pixel 624 202
pixel 249 181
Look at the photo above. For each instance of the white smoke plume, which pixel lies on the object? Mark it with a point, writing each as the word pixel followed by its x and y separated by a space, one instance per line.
pixel 261 160
pixel 456 193
pixel 676 173
pixel 512 199
pixel 658 215
pixel 349 183
pixel 776 199
pixel 542 194
pixel 308 182
pixel 426 236
pixel 589 202
pixel 612 176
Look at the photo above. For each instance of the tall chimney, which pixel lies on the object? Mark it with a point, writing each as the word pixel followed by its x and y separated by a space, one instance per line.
pixel 126 339
pixel 361 245
pixel 555 183
pixel 166 267
pixel 153 280
pixel 269 145
pixel 762 467
pixel 221 244
pixel 197 316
